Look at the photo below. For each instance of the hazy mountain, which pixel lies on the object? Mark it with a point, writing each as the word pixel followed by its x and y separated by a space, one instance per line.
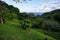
pixel 35 13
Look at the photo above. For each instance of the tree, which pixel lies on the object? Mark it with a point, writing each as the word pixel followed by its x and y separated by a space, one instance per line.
pixel 7 12
pixel 50 25
pixel 1 18
pixel 31 16
pixel 22 16
pixel 20 0
pixel 26 24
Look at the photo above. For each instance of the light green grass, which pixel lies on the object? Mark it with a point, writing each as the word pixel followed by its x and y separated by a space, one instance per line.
pixel 52 33
pixel 13 32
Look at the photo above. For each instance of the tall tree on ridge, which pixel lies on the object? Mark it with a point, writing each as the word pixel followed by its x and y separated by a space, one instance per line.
pixel 1 19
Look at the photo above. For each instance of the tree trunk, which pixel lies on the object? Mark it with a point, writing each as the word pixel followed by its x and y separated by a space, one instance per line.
pixel 1 20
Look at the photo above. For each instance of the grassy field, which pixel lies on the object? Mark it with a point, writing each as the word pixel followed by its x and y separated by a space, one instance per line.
pixel 13 32
pixel 53 34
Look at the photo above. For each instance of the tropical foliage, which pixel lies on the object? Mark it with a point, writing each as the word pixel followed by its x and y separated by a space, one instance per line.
pixel 49 21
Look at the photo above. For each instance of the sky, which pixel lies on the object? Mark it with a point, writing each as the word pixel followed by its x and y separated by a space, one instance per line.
pixel 35 5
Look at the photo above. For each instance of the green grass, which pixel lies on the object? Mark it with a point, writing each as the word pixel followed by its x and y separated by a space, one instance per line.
pixel 55 35
pixel 13 32
pixel 52 33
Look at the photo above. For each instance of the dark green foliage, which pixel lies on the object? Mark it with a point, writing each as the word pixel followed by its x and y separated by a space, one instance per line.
pixel 31 16
pixel 49 21
pixel 50 25
pixel 8 12
pixel 54 15
pixel 22 16
pixel 44 21
pixel 26 24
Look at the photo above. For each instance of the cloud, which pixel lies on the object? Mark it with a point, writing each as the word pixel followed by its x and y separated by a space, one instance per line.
pixel 46 6
pixel 24 9
pixel 36 5
pixel 49 6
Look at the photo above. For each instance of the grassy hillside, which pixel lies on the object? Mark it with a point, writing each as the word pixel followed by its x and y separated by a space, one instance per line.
pixel 52 33
pixel 13 32
pixel 19 26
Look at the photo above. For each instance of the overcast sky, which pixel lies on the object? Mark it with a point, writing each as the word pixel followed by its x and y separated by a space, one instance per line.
pixel 36 5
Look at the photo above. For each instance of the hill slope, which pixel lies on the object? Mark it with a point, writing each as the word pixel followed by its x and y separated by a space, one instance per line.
pixel 54 15
pixel 13 32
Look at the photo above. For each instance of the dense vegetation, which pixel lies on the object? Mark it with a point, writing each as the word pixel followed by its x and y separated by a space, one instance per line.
pixel 22 26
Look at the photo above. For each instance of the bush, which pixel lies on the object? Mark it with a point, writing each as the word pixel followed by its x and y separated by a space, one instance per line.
pixel 26 24
pixel 50 25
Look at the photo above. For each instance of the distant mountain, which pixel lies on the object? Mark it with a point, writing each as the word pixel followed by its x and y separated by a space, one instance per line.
pixel 35 13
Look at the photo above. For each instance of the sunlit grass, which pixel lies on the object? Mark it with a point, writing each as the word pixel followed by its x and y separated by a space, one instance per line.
pixel 13 32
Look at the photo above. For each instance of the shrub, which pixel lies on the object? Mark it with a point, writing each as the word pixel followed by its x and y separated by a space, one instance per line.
pixel 26 24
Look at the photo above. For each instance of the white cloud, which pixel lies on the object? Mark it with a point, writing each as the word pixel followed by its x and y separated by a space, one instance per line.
pixel 23 9
pixel 42 6
pixel 46 7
